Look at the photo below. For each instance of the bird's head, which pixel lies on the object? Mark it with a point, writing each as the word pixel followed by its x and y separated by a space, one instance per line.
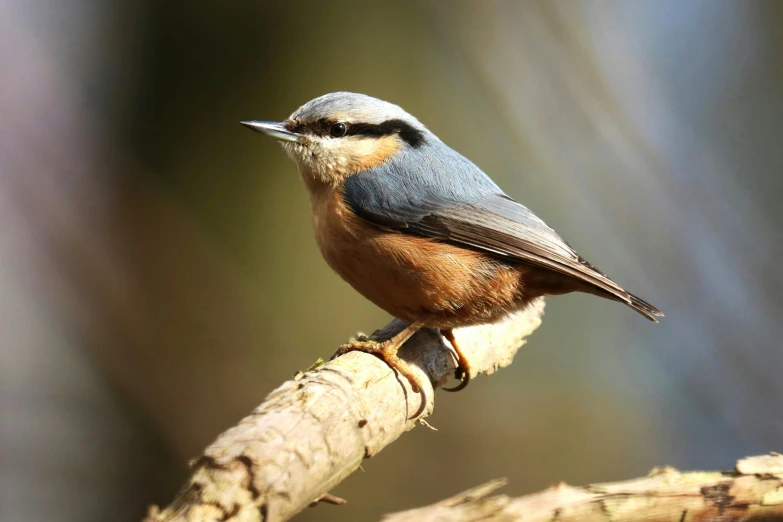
pixel 343 133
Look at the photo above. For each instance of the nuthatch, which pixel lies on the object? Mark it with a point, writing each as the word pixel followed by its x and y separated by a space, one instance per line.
pixel 421 231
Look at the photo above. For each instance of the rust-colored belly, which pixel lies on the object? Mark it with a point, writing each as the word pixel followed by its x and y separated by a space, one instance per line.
pixel 412 277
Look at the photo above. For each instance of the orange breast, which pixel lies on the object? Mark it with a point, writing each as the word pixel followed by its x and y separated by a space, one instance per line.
pixel 412 277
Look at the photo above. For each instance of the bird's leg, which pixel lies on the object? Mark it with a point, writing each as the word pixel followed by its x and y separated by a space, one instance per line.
pixel 387 351
pixel 463 367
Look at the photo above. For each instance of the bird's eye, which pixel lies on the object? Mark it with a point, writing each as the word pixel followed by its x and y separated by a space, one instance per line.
pixel 338 130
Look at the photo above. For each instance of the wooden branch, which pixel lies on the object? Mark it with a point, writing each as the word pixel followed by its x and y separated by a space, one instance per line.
pixel 313 431
pixel 754 492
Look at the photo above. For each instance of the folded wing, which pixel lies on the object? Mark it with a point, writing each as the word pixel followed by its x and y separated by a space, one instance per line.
pixel 488 221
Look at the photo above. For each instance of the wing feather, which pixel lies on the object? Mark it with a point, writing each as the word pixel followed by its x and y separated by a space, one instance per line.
pixel 503 227
pixel 469 210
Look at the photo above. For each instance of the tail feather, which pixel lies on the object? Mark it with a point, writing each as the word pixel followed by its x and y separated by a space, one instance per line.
pixel 644 308
pixel 638 304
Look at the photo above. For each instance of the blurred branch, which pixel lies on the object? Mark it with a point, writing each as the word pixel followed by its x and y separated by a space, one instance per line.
pixel 315 430
pixel 753 492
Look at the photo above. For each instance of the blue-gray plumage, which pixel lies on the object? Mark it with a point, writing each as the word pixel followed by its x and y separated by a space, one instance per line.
pixel 434 191
pixel 419 229
pixel 416 181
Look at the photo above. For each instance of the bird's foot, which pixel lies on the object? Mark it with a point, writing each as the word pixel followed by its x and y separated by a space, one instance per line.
pixel 387 351
pixel 463 366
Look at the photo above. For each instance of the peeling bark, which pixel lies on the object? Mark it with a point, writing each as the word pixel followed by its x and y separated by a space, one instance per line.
pixel 754 492
pixel 315 430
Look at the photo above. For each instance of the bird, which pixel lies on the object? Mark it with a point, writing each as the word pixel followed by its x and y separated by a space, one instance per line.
pixel 420 230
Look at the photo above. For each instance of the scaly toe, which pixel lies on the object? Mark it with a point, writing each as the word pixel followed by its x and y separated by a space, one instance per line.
pixel 359 345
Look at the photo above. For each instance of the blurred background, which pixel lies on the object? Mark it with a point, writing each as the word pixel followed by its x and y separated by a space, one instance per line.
pixel 158 275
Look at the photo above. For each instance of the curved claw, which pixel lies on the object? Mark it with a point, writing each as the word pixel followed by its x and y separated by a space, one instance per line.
pixel 463 366
pixel 461 386
pixel 422 406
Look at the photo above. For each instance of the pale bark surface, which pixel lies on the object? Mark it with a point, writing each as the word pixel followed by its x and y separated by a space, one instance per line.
pixel 753 492
pixel 315 430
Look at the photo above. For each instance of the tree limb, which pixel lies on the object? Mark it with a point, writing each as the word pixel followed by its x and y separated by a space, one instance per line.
pixel 313 431
pixel 754 492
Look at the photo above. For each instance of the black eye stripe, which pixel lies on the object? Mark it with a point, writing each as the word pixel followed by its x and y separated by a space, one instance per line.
pixel 317 128
pixel 409 134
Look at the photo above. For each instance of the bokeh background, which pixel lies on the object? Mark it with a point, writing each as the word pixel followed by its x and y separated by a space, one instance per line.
pixel 158 275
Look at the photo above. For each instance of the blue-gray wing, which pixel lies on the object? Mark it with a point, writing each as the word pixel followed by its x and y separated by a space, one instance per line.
pixel 483 218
